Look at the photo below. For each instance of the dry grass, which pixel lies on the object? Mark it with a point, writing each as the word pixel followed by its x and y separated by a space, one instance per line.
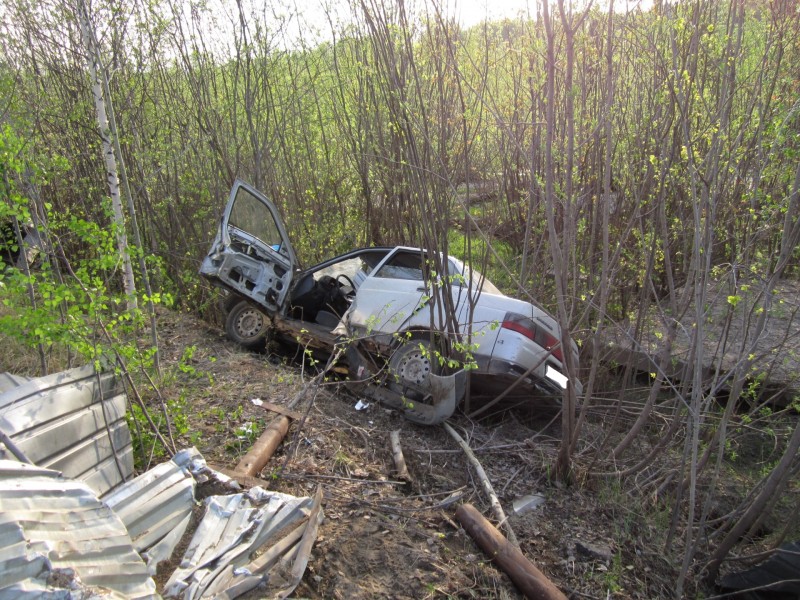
pixel 20 359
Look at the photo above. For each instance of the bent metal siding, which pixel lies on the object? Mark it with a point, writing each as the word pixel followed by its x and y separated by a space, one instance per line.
pixel 57 537
pixel 50 527
pixel 72 422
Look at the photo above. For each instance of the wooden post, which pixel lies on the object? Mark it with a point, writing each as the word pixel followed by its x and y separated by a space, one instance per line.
pixel 399 460
pixel 529 580
pixel 263 449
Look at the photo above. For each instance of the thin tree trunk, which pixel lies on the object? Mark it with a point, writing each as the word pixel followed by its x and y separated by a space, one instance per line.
pixel 97 77
pixel 753 512
pixel 126 188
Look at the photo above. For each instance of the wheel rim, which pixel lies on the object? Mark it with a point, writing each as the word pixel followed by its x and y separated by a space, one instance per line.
pixel 415 368
pixel 412 367
pixel 250 323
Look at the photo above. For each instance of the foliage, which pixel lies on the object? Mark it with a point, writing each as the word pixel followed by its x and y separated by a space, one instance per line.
pixel 657 151
pixel 74 305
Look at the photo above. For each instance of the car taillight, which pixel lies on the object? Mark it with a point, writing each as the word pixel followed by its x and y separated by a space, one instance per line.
pixel 525 326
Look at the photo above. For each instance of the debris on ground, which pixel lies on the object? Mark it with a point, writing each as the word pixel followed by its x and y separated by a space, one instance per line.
pixel 94 534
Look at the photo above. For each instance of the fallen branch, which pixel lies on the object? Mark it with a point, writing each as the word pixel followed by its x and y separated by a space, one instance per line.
pixel 340 478
pixel 529 580
pixel 265 446
pixel 12 447
pixel 348 498
pixel 497 509
pixel 399 460
pixel 282 410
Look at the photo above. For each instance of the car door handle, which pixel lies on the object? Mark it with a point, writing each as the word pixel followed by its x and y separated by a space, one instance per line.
pixel 422 289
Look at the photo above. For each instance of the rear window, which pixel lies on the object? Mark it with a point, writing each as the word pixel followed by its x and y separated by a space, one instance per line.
pixel 410 265
pixel 403 265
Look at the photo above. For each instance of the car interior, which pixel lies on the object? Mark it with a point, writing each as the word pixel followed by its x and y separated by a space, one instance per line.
pixel 325 292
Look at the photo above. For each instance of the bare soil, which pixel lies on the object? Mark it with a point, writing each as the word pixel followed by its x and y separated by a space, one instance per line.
pixel 384 538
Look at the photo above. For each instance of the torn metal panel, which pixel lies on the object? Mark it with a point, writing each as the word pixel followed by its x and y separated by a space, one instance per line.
pixel 56 535
pixel 8 381
pixel 74 422
pixel 232 530
pixel 50 525
pixel 156 507
pixel 286 561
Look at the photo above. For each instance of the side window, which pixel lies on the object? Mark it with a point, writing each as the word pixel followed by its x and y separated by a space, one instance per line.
pixel 403 265
pixel 250 215
pixel 454 276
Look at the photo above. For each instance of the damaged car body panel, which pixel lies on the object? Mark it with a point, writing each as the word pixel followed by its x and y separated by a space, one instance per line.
pixel 388 306
pixel 508 337
pixel 251 254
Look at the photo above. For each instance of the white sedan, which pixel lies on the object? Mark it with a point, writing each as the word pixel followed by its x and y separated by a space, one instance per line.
pixel 389 308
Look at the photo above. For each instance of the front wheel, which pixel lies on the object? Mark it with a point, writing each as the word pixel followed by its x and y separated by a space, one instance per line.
pixel 247 325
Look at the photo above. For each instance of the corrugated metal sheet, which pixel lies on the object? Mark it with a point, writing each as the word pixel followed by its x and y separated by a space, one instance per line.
pixel 51 525
pixel 233 528
pixel 156 507
pixel 54 528
pixel 72 422
pixel 8 381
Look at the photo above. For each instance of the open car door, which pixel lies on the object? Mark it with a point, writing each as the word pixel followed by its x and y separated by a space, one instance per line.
pixel 251 254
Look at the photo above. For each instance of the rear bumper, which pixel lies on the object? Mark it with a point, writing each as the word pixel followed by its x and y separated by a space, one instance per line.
pixel 547 378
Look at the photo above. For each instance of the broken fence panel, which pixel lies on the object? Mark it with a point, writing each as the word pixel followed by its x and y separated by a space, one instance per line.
pixel 73 422
pixel 232 530
pixel 156 507
pixel 52 525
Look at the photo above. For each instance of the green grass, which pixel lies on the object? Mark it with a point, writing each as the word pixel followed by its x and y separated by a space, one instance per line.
pixel 493 269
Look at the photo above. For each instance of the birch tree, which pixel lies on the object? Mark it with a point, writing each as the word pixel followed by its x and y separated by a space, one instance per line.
pixel 98 78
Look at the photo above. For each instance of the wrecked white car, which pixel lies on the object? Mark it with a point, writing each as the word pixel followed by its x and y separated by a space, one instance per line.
pixel 385 306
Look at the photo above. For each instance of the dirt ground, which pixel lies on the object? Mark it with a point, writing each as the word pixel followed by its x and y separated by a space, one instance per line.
pixel 385 538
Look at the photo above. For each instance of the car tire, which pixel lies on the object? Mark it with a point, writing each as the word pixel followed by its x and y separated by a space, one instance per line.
pixel 247 325
pixel 411 366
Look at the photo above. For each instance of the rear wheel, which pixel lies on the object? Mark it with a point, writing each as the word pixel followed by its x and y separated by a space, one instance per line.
pixel 247 325
pixel 411 366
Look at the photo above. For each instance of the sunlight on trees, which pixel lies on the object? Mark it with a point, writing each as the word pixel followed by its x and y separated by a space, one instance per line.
pixel 625 169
